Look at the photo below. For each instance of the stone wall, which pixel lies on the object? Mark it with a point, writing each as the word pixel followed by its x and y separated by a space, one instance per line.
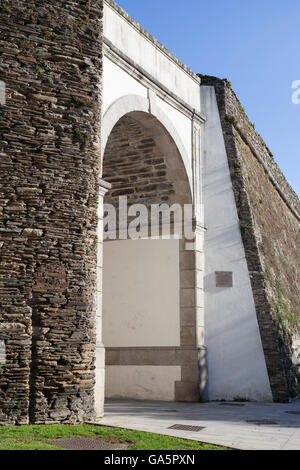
pixel 135 166
pixel 269 215
pixel 49 168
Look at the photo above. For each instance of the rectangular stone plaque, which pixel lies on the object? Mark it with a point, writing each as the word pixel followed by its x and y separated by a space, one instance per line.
pixel 224 279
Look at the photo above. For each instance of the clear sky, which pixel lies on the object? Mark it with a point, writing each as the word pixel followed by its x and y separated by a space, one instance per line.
pixel 255 44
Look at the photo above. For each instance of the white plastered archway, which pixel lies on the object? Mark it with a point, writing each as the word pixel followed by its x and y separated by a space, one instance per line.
pixel 143 109
pixel 135 103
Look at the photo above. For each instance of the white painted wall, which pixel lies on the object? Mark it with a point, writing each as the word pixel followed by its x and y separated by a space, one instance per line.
pixel 296 350
pixel 236 363
pixel 142 382
pixel 118 83
pixel 142 51
pixel 141 293
pixel 182 124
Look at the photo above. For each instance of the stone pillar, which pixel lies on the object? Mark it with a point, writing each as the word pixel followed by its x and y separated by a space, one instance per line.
pixel 50 119
pixel 200 322
pixel 199 230
pixel 100 351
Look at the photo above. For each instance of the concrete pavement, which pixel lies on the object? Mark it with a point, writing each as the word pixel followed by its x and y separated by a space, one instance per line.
pixel 228 424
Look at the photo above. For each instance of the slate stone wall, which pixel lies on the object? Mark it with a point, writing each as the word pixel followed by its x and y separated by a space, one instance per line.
pixel 269 214
pixel 50 61
pixel 135 166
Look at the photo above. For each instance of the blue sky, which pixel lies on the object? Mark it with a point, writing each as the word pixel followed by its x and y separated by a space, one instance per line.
pixel 252 43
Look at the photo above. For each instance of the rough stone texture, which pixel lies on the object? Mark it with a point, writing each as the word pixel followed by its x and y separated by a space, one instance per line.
pixel 14 372
pixel 135 166
pixel 49 169
pixel 269 214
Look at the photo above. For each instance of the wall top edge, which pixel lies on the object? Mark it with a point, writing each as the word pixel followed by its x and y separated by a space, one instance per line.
pixel 234 112
pixel 115 55
pixel 155 42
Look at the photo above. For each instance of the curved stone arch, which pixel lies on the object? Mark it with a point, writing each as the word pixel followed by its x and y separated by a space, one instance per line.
pixel 130 104
pixel 160 128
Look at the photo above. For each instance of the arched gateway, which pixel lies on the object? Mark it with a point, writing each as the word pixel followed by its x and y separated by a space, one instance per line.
pixel 150 300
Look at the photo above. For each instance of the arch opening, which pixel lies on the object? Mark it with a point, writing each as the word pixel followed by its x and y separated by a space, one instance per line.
pixel 148 300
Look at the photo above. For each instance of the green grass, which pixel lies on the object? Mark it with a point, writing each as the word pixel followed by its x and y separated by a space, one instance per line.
pixel 36 437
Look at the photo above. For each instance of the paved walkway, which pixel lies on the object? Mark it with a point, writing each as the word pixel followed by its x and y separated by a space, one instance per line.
pixel 232 424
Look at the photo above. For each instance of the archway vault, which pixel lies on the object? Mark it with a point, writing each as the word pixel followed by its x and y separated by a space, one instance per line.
pixel 135 103
pixel 152 323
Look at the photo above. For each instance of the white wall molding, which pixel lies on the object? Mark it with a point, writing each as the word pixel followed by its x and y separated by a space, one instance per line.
pixel 143 77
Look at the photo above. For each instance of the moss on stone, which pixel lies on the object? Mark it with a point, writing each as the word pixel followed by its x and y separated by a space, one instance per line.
pixel 81 136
